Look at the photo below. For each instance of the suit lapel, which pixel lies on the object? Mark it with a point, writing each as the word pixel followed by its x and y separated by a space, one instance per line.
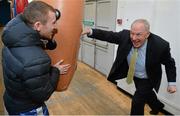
pixel 128 48
pixel 148 53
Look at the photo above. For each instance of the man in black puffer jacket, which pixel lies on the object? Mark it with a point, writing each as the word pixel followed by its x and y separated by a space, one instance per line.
pixel 29 78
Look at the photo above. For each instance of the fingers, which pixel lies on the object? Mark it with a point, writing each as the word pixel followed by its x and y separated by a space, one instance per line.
pixel 85 31
pixel 61 61
pixel 64 68
pixel 171 89
pixel 58 63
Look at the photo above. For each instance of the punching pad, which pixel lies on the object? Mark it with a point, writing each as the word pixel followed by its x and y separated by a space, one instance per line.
pixel 68 37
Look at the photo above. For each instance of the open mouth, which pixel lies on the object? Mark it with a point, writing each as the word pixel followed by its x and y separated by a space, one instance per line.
pixel 136 44
pixel 55 31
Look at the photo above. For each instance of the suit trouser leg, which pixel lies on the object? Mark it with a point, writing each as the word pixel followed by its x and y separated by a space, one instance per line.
pixel 154 103
pixel 138 100
pixel 144 94
pixel 137 105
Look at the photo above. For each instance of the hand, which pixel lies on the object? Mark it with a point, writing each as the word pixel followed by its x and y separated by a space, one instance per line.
pixel 62 68
pixel 171 88
pixel 86 31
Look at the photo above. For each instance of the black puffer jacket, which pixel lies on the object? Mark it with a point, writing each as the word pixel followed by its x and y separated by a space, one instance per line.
pixel 29 77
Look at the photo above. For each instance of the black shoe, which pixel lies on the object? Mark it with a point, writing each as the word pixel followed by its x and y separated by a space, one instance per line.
pixel 155 112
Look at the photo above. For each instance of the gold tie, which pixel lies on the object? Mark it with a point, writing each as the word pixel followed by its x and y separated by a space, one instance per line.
pixel 132 66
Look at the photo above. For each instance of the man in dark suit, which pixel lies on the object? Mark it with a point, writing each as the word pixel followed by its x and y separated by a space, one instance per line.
pixel 152 52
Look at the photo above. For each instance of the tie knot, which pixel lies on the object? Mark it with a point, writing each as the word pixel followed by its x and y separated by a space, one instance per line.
pixel 135 49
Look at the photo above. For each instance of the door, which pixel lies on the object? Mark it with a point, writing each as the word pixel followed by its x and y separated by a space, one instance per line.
pixel 105 19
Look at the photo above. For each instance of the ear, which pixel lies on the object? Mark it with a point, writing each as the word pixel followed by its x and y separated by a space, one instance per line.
pixel 37 25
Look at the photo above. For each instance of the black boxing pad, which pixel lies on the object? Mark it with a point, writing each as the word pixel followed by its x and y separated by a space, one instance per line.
pixel 58 14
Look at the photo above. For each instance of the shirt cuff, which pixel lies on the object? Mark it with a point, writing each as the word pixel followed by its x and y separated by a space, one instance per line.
pixel 91 32
pixel 172 83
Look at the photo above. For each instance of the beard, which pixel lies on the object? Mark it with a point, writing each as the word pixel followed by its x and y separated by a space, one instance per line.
pixel 49 36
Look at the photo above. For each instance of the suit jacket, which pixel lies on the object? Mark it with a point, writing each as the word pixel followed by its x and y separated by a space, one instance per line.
pixel 157 53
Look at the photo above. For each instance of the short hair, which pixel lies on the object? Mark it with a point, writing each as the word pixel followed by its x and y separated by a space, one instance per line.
pixel 37 11
pixel 144 21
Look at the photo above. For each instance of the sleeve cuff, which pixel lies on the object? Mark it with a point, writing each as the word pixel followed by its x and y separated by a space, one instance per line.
pixel 172 83
pixel 91 32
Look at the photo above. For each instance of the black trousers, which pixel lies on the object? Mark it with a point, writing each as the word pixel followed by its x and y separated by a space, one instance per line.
pixel 144 94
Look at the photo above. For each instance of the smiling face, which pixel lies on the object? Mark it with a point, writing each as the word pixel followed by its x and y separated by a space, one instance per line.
pixel 139 33
pixel 42 18
pixel 48 29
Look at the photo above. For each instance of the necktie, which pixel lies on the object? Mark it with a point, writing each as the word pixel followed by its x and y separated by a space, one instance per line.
pixel 132 66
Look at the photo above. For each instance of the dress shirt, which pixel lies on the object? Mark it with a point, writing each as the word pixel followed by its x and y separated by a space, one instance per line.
pixel 140 69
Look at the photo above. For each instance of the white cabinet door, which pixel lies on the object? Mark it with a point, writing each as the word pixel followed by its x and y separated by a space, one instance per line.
pixel 105 19
pixel 88 45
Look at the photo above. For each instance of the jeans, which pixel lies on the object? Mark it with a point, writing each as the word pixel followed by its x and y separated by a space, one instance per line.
pixel 38 111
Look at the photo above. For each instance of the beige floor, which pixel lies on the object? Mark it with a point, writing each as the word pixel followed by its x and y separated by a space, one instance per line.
pixel 88 94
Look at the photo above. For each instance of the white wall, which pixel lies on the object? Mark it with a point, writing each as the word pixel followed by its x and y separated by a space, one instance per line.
pixel 128 10
pixel 164 18
pixel 166 23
